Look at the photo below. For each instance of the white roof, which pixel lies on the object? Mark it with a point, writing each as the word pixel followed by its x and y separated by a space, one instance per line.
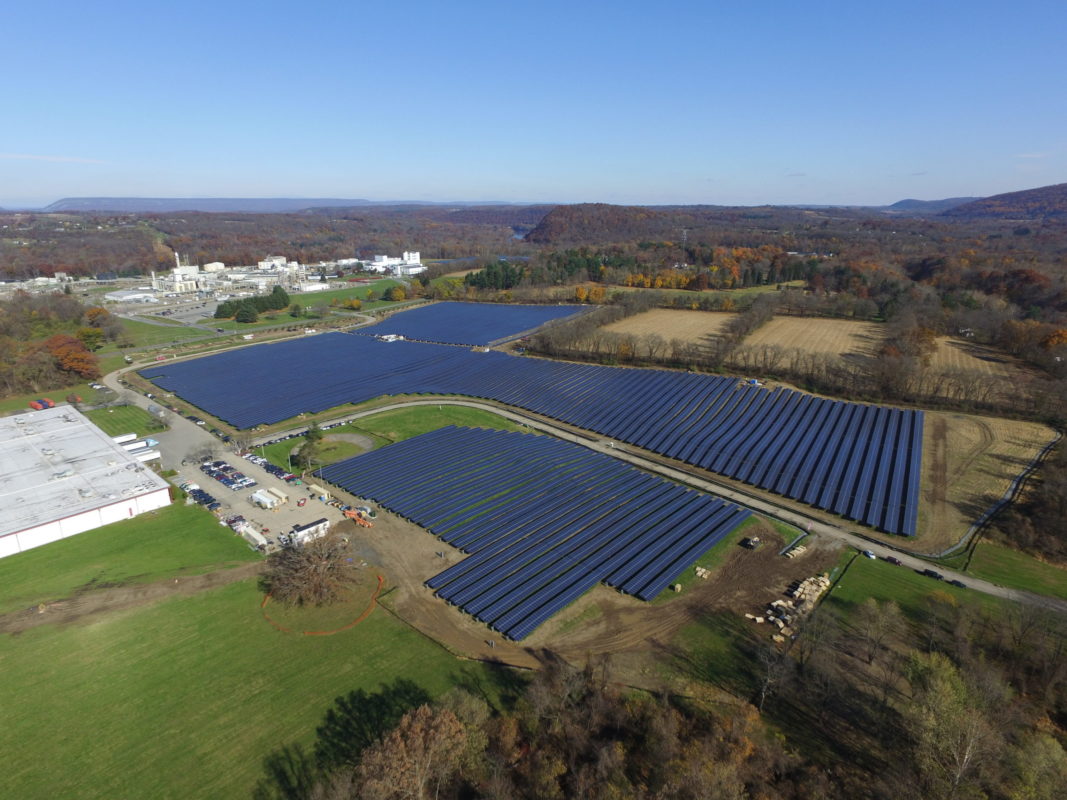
pixel 55 463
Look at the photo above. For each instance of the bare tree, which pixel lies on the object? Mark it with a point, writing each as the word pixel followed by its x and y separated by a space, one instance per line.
pixel 317 573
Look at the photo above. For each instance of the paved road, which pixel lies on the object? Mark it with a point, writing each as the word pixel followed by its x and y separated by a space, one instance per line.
pixel 193 436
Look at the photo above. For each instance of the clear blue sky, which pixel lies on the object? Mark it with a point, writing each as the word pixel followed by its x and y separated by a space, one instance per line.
pixel 671 102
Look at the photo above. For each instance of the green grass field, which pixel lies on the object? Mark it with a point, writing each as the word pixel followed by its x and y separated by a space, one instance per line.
pixel 145 334
pixel 177 540
pixel 395 426
pixel 357 290
pixel 117 420
pixel 392 426
pixel 186 697
pixel 1008 567
pixel 884 581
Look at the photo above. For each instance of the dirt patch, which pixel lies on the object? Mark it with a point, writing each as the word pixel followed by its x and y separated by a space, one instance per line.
pixel 85 606
pixel 357 439
pixel 603 621
pixel 606 622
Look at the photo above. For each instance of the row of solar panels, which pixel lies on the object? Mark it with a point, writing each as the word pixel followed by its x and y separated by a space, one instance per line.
pixel 468 323
pixel 543 520
pixel 857 460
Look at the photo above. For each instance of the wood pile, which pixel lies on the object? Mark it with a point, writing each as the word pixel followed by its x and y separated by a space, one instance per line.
pixel 802 597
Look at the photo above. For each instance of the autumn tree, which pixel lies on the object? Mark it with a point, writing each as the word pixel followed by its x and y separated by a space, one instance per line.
pixel 415 759
pixel 71 355
pixel 317 573
pixel 394 294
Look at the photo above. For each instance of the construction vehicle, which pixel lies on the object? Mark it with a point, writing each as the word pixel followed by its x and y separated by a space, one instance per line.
pixel 357 516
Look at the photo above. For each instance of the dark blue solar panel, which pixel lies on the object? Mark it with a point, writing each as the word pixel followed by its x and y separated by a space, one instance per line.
pixel 772 438
pixel 547 534
pixel 468 323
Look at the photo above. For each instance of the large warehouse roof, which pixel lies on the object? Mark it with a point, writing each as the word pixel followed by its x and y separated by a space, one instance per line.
pixel 55 463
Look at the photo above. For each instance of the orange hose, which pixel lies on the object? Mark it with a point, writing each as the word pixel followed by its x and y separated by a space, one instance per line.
pixel 352 624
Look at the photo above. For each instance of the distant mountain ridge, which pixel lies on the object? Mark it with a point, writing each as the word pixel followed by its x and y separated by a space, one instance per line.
pixel 927 207
pixel 163 205
pixel 1045 202
pixel 246 205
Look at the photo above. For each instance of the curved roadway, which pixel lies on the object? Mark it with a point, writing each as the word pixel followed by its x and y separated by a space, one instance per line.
pixel 637 458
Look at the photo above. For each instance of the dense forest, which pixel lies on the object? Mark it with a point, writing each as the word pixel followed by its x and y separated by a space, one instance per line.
pixel 937 701
pixel 47 341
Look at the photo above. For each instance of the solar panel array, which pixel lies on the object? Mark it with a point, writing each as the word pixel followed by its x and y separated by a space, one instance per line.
pixel 860 461
pixel 543 520
pixel 469 323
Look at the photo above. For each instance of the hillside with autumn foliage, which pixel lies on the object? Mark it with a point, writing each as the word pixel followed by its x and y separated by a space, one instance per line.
pixel 1046 202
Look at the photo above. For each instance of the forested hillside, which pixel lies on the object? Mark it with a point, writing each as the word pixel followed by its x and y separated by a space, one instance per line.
pixel 1042 203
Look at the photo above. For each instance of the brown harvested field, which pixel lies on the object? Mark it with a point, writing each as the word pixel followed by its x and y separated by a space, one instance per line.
pixel 460 273
pixel 969 463
pixel 835 337
pixel 953 355
pixel 690 326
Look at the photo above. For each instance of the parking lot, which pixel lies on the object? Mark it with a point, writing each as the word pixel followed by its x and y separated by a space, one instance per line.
pixel 180 448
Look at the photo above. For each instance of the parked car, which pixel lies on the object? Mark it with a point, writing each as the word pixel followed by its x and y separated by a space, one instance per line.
pixel 894 560
pixel 868 554
pixel 933 573
pixel 959 583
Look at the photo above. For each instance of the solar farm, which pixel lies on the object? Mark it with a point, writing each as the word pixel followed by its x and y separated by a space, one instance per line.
pixel 543 520
pixel 474 324
pixel 858 460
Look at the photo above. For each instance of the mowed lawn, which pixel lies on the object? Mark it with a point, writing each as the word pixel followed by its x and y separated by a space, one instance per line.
pixel 1017 570
pixel 173 541
pixel 185 698
pixel 118 420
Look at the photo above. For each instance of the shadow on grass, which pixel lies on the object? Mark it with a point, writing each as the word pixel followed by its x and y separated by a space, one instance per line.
pixel 357 720
pixel 499 685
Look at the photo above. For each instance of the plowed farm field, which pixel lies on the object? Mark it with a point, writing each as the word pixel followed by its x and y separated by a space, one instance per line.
pixel 955 355
pixel 689 326
pixel 969 463
pixel 835 337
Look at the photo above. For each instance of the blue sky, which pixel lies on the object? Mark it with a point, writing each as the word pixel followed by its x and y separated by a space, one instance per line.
pixel 620 102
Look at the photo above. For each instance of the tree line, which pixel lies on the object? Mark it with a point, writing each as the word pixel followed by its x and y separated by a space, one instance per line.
pixel 47 341
pixel 248 309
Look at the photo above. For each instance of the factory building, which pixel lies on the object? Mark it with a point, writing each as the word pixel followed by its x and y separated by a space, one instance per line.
pixel 60 475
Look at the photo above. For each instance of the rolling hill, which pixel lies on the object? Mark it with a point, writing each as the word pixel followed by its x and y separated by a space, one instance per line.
pixel 1045 202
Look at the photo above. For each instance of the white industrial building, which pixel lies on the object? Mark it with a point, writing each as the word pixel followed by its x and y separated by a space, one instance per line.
pixel 184 278
pixel 131 296
pixel 407 264
pixel 60 475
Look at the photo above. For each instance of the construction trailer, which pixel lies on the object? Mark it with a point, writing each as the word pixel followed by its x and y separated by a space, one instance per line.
pixel 281 496
pixel 312 530
pixel 264 499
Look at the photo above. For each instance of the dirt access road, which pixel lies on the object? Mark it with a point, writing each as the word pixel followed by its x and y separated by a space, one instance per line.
pixel 90 602
pixel 703 481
